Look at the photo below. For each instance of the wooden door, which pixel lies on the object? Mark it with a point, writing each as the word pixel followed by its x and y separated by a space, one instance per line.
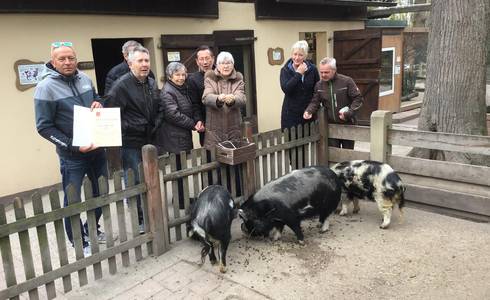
pixel 182 47
pixel 358 55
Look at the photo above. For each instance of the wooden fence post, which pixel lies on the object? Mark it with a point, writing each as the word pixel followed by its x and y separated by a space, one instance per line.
pixel 322 146
pixel 156 207
pixel 380 123
pixel 248 174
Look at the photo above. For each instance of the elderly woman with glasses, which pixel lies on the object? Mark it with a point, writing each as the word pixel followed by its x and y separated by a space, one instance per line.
pixel 223 96
pixel 177 117
pixel 298 79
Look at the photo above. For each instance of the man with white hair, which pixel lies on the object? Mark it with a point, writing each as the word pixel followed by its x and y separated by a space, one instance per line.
pixel 119 70
pixel 339 95
pixel 63 86
pixel 136 94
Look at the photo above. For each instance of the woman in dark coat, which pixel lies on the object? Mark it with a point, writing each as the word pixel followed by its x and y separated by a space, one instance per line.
pixel 298 79
pixel 177 117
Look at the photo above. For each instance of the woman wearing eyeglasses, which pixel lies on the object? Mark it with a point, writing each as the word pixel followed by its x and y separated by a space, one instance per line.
pixel 224 96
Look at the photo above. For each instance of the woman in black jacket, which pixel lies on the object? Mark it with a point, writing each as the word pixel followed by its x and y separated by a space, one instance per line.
pixel 298 79
pixel 177 117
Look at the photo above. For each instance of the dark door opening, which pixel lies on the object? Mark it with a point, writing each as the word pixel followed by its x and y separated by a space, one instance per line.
pixel 240 43
pixel 107 54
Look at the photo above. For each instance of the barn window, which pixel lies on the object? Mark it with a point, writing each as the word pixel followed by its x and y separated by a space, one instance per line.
pixel 386 80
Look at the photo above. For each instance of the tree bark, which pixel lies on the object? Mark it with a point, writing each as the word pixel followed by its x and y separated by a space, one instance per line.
pixel 455 86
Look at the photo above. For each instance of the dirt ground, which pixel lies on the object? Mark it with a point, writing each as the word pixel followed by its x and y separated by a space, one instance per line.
pixel 429 256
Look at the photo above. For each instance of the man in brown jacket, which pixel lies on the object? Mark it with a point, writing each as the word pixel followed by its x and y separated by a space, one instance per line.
pixel 340 97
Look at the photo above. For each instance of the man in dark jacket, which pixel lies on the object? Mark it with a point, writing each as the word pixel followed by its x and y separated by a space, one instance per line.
pixel 119 70
pixel 63 87
pixel 195 82
pixel 135 93
pixel 340 97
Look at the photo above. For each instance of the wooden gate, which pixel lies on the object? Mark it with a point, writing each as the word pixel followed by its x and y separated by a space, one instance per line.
pixel 358 55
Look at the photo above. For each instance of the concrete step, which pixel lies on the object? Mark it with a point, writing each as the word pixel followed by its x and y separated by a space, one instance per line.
pixel 410 105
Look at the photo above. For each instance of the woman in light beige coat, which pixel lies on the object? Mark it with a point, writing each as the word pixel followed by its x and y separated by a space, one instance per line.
pixel 224 95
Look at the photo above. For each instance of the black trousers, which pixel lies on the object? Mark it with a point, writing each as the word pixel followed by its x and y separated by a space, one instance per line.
pixel 339 143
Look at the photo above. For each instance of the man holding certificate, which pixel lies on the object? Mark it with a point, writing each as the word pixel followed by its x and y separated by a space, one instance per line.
pixel 63 87
pixel 136 94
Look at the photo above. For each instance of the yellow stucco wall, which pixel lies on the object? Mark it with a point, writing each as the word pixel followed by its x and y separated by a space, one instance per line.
pixel 28 161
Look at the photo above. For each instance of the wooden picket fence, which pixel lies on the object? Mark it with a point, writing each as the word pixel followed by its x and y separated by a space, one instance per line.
pixel 446 187
pixel 46 256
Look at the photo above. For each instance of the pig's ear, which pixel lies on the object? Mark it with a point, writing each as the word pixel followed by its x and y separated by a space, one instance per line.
pixel 242 215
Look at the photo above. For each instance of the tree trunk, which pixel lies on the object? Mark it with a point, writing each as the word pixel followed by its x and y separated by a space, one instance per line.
pixel 455 87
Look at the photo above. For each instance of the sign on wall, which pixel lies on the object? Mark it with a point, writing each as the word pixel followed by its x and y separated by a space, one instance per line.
pixel 28 73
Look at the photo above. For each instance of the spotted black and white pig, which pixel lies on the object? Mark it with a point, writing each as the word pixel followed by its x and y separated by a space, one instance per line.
pixel 289 199
pixel 373 180
pixel 211 217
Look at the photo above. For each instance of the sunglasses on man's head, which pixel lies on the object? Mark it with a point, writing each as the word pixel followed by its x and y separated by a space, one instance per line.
pixel 59 44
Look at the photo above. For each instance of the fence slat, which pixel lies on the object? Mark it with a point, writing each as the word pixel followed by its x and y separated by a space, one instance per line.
pixel 106 214
pixel 133 213
pixel 121 220
pixel 54 199
pixel 301 149
pixel 265 167
pixel 314 145
pixel 204 159
pixel 145 208
pixel 92 227
pixel 349 132
pixel 42 236
pixel 257 163
pixel 287 152
pixel 339 155
pixel 25 247
pixel 175 197
pixel 440 141
pixel 73 197
pixel 195 177
pixel 6 250
pixel 215 170
pixel 273 157
pixel 280 162
pixel 185 180
pixel 441 169
pixel 293 151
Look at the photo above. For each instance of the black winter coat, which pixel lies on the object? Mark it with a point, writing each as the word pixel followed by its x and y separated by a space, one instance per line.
pixel 137 101
pixel 195 83
pixel 115 73
pixel 176 119
pixel 297 93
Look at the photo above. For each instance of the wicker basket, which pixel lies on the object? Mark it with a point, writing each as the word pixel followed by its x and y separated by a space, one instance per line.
pixel 236 152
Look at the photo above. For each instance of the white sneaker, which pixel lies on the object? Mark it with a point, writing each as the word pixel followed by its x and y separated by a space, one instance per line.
pixel 87 251
pixel 142 228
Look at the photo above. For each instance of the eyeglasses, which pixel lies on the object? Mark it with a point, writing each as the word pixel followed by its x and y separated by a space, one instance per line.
pixel 59 44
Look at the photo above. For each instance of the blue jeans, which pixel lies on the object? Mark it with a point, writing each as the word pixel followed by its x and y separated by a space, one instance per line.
pixel 131 158
pixel 73 170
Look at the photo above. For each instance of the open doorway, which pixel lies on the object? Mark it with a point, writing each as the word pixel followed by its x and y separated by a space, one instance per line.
pixel 107 54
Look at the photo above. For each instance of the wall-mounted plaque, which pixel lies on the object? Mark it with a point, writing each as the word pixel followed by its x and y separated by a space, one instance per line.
pixel 86 65
pixel 275 56
pixel 173 56
pixel 28 73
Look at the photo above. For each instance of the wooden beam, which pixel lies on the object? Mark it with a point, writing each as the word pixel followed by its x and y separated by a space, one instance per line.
pixel 386 12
